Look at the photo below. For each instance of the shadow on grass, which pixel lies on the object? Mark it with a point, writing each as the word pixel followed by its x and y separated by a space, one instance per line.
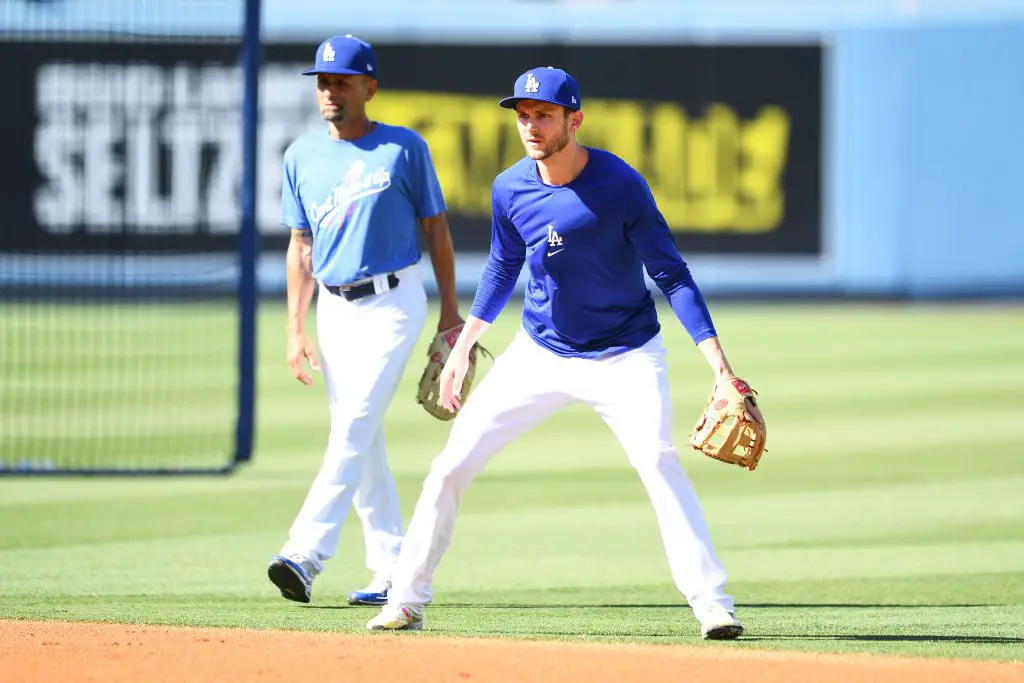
pixel 910 638
pixel 762 605
pixel 754 636
pixel 741 606
pixel 855 605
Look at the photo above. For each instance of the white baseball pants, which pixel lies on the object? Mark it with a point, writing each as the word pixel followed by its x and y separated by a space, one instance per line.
pixel 364 347
pixel 528 384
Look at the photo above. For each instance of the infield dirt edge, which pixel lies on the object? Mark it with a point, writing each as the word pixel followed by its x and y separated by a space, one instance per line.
pixel 35 651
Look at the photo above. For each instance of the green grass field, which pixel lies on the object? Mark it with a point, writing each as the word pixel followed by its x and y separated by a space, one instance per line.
pixel 887 516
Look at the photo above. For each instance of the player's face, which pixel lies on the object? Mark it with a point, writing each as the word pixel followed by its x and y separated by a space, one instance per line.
pixel 343 96
pixel 545 128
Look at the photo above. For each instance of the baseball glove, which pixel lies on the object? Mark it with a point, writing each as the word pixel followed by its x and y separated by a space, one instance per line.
pixel 429 393
pixel 731 428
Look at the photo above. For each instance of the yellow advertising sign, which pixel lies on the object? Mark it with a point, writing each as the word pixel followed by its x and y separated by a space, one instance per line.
pixel 712 172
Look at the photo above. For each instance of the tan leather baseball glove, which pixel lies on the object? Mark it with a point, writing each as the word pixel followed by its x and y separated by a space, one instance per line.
pixel 731 428
pixel 428 394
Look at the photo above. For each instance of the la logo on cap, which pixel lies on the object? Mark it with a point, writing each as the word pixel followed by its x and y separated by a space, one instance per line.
pixel 531 84
pixel 328 53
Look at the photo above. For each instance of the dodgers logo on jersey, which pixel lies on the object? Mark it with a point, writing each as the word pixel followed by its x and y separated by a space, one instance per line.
pixel 554 240
pixel 356 184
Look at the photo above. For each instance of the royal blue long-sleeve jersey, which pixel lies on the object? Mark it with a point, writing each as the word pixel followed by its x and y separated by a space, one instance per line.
pixel 586 244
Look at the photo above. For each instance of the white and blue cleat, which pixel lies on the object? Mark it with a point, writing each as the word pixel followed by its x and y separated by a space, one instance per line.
pixel 376 593
pixel 293 575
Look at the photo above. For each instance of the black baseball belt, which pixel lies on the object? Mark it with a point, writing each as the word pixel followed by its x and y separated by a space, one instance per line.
pixel 354 292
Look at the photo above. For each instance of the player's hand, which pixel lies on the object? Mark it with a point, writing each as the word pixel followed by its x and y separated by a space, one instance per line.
pixel 452 375
pixel 449 319
pixel 300 349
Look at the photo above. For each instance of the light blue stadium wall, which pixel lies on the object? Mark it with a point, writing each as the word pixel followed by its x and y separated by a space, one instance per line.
pixel 929 159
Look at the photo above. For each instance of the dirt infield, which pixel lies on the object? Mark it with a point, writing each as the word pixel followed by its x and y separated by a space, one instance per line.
pixel 72 652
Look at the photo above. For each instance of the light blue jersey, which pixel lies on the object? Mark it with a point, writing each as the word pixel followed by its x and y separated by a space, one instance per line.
pixel 361 199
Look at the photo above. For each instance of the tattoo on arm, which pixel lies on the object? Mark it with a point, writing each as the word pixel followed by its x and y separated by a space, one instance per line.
pixel 301 246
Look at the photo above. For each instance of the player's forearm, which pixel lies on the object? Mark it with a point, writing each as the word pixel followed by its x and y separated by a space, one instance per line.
pixel 442 259
pixel 299 278
pixel 666 266
pixel 497 282
pixel 471 333
pixel 715 355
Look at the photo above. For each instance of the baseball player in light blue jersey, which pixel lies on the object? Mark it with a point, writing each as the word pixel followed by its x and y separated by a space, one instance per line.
pixel 585 224
pixel 355 197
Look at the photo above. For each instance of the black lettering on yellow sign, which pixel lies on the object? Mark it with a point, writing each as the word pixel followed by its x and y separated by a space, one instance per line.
pixel 710 173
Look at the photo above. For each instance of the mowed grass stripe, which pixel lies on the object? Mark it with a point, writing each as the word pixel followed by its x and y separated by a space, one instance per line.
pixel 845 433
pixel 105 490
pixel 877 560
pixel 43 317
pixel 921 350
pixel 196 413
pixel 173 449
pixel 223 511
pixel 592 544
pixel 123 356
pixel 927 416
pixel 101 384
pixel 227 563
pixel 910 395
pixel 904 535
pixel 908 389
pixel 127 369
pixel 117 406
pixel 939 420
pixel 838 514
pixel 937 502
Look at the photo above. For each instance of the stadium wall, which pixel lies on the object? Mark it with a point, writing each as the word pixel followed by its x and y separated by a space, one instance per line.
pixel 902 168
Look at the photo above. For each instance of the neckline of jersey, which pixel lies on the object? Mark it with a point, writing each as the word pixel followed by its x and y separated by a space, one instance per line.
pixel 535 174
pixel 373 131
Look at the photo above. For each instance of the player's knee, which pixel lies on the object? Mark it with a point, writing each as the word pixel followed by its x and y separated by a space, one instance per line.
pixel 340 447
pixel 341 465
pixel 653 456
pixel 350 438
pixel 452 474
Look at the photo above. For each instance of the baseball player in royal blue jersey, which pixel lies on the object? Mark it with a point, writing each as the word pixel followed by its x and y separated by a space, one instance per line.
pixel 585 223
pixel 355 196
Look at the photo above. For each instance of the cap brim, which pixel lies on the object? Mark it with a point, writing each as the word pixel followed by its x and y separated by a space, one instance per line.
pixel 339 70
pixel 513 102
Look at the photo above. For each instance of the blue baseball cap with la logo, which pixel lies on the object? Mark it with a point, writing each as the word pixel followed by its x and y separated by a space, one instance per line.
pixel 344 55
pixel 545 84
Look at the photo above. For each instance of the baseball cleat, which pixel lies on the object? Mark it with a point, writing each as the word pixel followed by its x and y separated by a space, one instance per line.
pixel 376 593
pixel 293 575
pixel 718 623
pixel 400 617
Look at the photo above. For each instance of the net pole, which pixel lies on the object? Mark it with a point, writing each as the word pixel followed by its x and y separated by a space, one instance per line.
pixel 248 238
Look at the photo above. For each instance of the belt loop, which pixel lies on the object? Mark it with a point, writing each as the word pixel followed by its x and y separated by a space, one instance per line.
pixel 381 284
